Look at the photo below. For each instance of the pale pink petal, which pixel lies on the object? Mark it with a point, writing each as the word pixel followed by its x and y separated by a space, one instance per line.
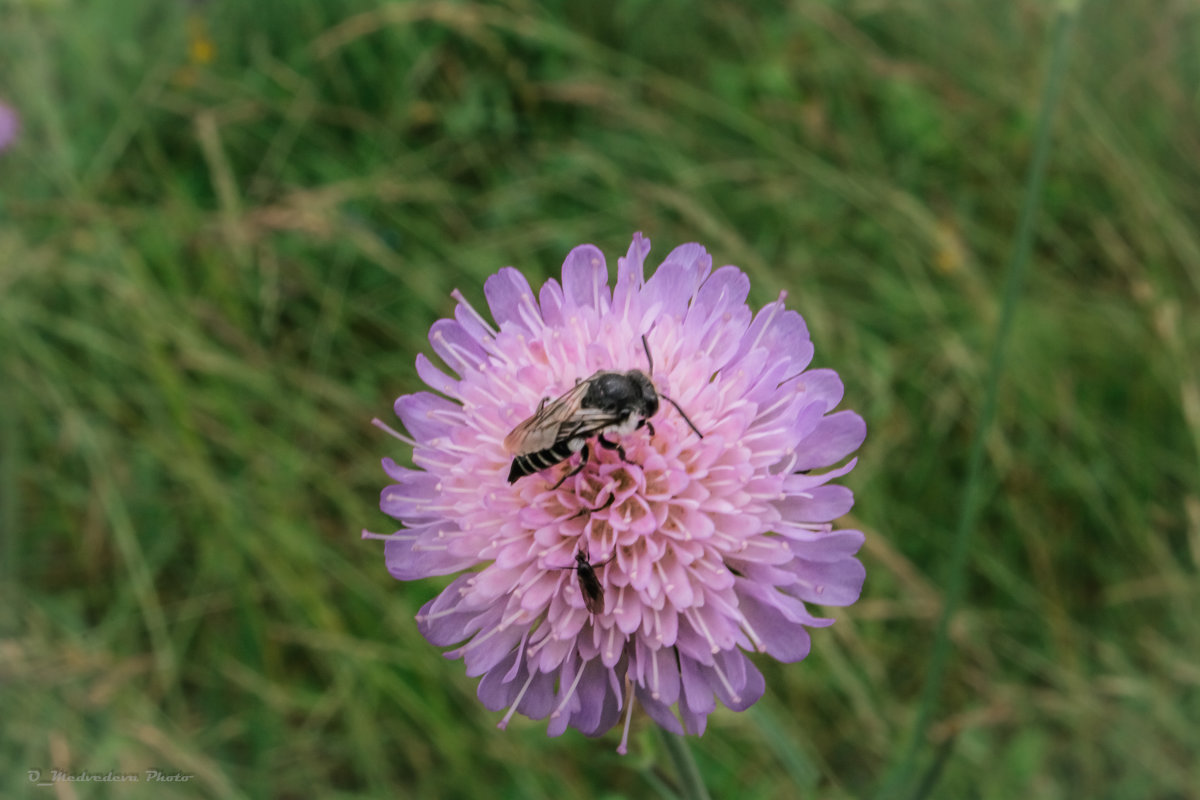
pixel 511 300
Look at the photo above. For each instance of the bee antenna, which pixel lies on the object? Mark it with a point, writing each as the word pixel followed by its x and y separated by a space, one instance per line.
pixel 685 416
pixel 649 360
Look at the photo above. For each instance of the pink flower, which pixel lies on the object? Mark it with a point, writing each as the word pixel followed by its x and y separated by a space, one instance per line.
pixel 703 548
pixel 10 125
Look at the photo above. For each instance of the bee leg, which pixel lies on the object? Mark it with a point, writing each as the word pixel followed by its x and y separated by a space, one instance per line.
pixel 607 445
pixel 583 511
pixel 583 459
pixel 650 427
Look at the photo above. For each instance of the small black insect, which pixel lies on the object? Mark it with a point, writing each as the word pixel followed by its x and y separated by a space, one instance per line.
pixel 589 584
pixel 606 403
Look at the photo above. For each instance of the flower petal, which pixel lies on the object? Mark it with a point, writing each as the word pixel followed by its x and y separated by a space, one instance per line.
pixel 697 694
pixel 434 378
pixel 419 553
pixel 776 619
pixel 552 301
pixel 427 416
pixel 630 278
pixel 825 545
pixel 835 437
pixel 822 385
pixel 822 504
pixel 827 583
pixel 495 690
pixel 511 300
pixel 660 712
pixel 674 283
pixel 585 279
pixel 457 348
pixel 737 682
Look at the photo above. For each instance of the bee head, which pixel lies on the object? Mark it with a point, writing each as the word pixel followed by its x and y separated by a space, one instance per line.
pixel 647 398
pixel 622 393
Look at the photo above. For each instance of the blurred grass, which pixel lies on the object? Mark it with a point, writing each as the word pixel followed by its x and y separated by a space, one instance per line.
pixel 214 273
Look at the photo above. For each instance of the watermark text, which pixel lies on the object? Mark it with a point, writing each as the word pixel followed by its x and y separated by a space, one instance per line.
pixel 49 777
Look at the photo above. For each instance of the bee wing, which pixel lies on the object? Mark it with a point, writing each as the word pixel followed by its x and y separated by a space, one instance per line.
pixel 549 426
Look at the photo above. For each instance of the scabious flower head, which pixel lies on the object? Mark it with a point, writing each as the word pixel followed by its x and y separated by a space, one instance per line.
pixel 705 547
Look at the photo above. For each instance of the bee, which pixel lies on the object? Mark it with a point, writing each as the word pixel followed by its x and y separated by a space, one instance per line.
pixel 589 584
pixel 607 403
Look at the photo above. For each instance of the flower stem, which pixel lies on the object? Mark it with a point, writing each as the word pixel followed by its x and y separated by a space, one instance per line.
pixel 691 785
pixel 900 775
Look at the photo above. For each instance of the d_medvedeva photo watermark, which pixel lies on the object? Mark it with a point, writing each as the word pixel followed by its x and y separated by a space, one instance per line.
pixel 52 776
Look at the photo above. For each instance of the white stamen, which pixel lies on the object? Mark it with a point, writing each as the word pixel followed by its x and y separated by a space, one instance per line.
pixel 457 295
pixel 734 696
pixel 734 545
pixel 570 692
pixel 537 646
pixel 438 614
pixel 820 527
pixel 612 637
pixel 749 629
pixel 457 352
pixel 507 622
pixel 780 401
pixel 662 575
pixel 623 748
pixel 764 543
pixel 775 307
pixel 397 536
pixel 793 457
pixel 480 639
pixel 378 423
pixel 453 416
pixel 502 724
pixel 697 619
pixel 530 314
pixel 766 433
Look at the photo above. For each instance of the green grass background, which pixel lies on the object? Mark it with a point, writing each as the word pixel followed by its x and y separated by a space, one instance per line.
pixel 214 272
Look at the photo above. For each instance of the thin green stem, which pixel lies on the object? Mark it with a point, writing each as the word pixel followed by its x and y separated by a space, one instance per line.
pixel 691 785
pixel 956 579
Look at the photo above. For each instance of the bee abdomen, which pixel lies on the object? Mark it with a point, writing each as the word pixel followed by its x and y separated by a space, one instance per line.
pixel 535 462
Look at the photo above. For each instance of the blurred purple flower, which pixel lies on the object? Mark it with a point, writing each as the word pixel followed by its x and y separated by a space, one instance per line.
pixel 10 123
pixel 716 543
